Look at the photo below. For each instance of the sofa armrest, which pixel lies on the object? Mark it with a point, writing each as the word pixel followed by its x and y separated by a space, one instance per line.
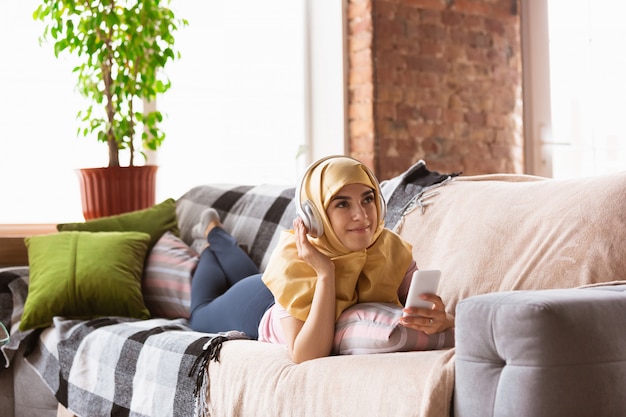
pixel 541 353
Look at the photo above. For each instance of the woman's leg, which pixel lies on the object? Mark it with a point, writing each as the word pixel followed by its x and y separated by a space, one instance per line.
pixel 234 262
pixel 240 308
pixel 219 302
pixel 221 265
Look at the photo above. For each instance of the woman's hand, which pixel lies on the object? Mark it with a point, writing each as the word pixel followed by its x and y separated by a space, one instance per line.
pixel 313 338
pixel 309 253
pixel 429 321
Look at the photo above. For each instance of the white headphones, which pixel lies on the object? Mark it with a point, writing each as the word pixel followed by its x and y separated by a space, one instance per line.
pixel 310 215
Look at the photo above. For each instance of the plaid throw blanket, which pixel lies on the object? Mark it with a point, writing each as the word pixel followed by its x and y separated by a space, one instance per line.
pixel 254 215
pixel 408 189
pixel 121 367
pixel 112 366
pixel 13 291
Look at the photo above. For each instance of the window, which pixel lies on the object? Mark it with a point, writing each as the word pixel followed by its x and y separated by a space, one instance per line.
pixel 257 80
pixel 580 78
pixel 38 143
pixel 235 112
pixel 588 86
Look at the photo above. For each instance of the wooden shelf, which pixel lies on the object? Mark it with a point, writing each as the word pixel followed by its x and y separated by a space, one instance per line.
pixel 12 248
pixel 13 251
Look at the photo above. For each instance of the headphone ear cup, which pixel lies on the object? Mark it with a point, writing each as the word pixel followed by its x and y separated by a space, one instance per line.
pixel 312 220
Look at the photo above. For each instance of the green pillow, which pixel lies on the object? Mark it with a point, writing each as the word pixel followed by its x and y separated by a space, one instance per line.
pixel 84 275
pixel 154 221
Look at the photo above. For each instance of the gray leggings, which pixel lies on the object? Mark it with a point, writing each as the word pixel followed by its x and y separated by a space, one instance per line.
pixel 227 292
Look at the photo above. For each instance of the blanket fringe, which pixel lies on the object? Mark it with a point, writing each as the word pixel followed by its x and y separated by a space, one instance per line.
pixel 210 352
pixel 202 406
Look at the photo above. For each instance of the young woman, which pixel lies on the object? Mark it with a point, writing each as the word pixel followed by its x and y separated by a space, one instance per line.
pixel 337 257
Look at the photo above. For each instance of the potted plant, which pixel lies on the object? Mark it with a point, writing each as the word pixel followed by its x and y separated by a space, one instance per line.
pixel 123 47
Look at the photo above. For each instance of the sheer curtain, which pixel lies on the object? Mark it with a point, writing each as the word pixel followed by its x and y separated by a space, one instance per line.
pixel 237 111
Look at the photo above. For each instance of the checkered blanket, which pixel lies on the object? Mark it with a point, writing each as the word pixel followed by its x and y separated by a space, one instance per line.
pixel 118 366
pixel 410 188
pixel 112 366
pixel 254 215
pixel 13 291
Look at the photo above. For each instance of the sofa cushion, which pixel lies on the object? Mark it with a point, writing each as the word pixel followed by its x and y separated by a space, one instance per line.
pixel 515 232
pixel 154 221
pixel 84 275
pixel 167 277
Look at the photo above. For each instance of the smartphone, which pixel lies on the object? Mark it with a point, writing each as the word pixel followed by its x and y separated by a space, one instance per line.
pixel 422 282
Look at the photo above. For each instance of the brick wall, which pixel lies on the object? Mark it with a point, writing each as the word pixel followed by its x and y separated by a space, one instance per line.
pixel 438 80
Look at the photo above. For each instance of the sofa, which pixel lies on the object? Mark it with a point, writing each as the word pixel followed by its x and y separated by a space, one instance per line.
pixel 532 268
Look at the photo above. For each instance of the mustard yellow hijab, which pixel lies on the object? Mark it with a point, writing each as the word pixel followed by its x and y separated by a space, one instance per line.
pixel 370 275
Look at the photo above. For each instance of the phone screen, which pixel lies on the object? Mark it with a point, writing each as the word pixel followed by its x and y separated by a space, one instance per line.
pixel 423 282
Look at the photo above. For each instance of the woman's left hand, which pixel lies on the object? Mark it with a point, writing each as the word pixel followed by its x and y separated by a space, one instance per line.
pixel 429 321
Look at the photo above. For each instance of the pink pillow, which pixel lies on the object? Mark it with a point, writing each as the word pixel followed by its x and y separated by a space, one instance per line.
pixel 367 328
pixel 167 277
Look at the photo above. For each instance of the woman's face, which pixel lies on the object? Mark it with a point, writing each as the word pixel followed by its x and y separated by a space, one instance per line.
pixel 353 216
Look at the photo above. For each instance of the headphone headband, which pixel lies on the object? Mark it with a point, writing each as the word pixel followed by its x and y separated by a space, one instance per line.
pixel 307 211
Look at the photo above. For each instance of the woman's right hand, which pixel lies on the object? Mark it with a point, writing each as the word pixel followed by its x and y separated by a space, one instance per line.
pixel 313 338
pixel 309 253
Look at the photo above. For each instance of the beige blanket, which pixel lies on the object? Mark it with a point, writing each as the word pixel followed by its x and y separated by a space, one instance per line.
pixel 258 379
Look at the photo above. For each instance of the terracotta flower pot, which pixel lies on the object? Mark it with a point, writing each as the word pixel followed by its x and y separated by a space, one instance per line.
pixel 115 190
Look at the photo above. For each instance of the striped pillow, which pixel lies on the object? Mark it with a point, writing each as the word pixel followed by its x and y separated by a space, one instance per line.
pixel 167 277
pixel 368 328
